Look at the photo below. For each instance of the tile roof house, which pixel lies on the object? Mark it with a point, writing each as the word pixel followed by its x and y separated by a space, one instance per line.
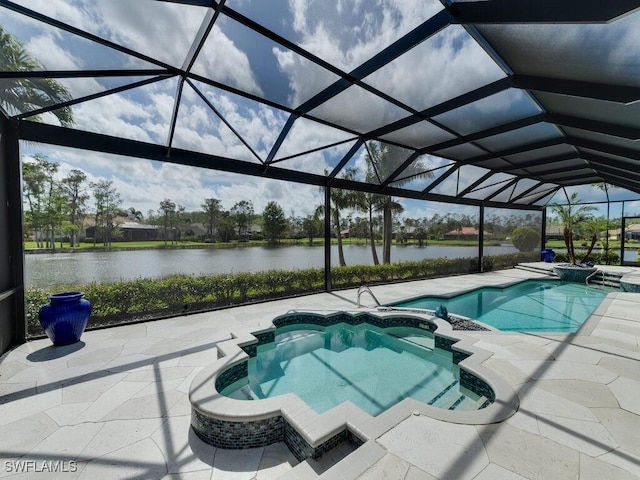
pixel 465 233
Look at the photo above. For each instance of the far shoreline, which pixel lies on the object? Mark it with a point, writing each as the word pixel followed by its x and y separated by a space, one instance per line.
pixel 220 245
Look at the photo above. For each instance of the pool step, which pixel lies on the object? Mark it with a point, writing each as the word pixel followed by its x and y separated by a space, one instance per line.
pixel 451 399
pixel 605 284
pixel 468 403
pixel 606 279
pixel 446 397
pixel 545 269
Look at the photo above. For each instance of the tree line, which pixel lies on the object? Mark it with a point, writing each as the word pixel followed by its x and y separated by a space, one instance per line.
pixel 57 209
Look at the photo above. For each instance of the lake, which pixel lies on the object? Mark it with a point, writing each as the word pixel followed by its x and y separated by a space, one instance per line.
pixel 47 270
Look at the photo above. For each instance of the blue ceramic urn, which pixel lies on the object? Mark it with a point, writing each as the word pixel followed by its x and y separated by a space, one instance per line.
pixel 65 317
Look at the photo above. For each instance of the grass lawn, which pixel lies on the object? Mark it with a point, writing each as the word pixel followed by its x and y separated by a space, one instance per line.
pixel 285 242
pixel 615 246
pixel 117 245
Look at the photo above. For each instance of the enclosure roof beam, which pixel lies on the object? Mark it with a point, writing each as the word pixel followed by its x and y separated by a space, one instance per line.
pixel 578 88
pixel 627 172
pixel 66 137
pixel 541 11
pixel 515 150
pixel 75 101
pixel 441 179
pixel 605 128
pixel 539 162
pixel 502 189
pixel 446 106
pixel 526 192
pixel 76 31
pixel 489 132
pixel 418 35
pixel 475 184
pixel 631 154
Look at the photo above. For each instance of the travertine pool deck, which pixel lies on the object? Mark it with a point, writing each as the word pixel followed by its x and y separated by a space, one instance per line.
pixel 116 404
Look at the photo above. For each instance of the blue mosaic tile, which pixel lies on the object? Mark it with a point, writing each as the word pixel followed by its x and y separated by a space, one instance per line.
pixel 232 375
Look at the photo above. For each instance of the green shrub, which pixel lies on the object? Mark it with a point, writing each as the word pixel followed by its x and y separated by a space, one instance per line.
pixel 525 239
pixel 561 257
pixel 243 283
pixel 146 298
pixel 34 299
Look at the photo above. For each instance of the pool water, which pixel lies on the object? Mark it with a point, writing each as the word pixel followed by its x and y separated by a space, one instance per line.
pixel 543 306
pixel 372 367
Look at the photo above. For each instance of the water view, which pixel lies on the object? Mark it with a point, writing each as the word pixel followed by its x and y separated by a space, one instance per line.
pixel 48 270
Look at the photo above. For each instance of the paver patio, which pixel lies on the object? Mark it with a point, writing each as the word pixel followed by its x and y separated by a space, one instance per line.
pixel 116 404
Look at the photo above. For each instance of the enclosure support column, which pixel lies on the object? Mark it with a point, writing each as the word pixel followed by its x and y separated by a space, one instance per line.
pixel 623 231
pixel 327 238
pixel 12 320
pixel 481 240
pixel 543 232
pixel 606 250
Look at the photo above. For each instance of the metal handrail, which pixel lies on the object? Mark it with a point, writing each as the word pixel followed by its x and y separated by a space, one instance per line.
pixel 366 289
pixel 586 280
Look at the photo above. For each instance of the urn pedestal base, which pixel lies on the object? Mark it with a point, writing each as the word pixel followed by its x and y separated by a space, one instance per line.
pixel 573 273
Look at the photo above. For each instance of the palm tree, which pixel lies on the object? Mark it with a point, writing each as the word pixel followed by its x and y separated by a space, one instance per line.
pixel 134 214
pixel 605 188
pixel 340 200
pixel 168 211
pixel 382 160
pixel 19 95
pixel 76 198
pixel 571 216
pixel 368 203
pixel 212 209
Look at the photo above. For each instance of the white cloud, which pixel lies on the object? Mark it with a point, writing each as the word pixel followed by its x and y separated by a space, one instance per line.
pixel 301 199
pixel 63 10
pixel 306 79
pixel 346 36
pixel 143 184
pixel 46 49
pixel 307 135
pixel 141 114
pixel 449 64
pixel 200 129
pixel 221 60
pixel 359 110
pixel 113 115
pixel 158 29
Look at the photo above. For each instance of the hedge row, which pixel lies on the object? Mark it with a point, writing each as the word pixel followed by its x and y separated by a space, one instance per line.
pixel 147 298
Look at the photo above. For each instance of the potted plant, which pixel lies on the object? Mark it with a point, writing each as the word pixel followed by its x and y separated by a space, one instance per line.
pixel 572 216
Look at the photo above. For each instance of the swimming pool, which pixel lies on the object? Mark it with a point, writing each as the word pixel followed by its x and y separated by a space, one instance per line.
pixel 374 368
pixel 464 390
pixel 531 306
